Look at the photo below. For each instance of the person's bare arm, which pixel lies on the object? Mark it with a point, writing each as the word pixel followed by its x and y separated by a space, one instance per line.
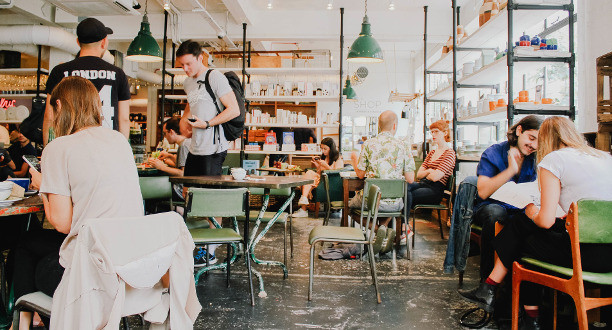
pixel 423 172
pixel 11 165
pixel 58 209
pixel 550 190
pixel 355 160
pixel 48 119
pixel 435 175
pixel 23 171
pixel 124 118
pixel 231 111
pixel 160 165
pixel 486 186
pixel 409 176
pixel 184 125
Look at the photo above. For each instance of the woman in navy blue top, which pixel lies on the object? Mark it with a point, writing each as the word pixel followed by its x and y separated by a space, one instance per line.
pixel 512 160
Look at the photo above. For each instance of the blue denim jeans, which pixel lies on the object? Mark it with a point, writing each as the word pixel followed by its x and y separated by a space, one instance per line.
pixel 459 238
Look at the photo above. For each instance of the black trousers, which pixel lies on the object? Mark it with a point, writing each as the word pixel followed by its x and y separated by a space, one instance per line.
pixel 424 192
pixel 35 263
pixel 522 237
pixel 204 164
pixel 486 216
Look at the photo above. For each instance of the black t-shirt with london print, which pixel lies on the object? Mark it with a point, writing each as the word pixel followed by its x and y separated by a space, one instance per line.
pixel 111 82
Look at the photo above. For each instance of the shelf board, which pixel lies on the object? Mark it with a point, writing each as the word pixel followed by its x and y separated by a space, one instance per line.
pixel 500 113
pixel 294 125
pixel 492 34
pixel 22 71
pixel 537 107
pixel 21 96
pixel 269 71
pixel 14 121
pixel 293 98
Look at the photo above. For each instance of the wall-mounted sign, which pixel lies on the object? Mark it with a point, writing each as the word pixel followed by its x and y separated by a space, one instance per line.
pixel 5 103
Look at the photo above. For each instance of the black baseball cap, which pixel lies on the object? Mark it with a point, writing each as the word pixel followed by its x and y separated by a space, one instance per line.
pixel 91 30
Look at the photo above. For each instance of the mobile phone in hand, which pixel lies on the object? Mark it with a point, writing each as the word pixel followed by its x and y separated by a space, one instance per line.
pixel 33 161
pixel 193 120
pixel 317 158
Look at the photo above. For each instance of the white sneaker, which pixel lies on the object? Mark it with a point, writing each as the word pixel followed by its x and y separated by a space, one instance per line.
pixel 300 214
pixel 303 201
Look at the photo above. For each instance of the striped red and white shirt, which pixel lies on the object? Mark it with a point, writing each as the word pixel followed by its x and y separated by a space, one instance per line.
pixel 444 163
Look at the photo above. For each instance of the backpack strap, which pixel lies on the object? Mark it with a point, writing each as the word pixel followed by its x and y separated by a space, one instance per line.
pixel 214 99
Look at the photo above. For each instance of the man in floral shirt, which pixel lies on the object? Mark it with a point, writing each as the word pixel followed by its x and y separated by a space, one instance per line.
pixel 384 157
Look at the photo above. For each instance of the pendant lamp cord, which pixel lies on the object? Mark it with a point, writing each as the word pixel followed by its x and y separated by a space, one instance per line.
pixel 366 7
pixel 146 5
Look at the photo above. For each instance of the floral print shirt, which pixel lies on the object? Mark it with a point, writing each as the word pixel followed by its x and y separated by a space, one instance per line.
pixel 385 157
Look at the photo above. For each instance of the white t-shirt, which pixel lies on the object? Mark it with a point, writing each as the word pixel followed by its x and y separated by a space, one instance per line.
pixel 582 176
pixel 95 167
pixel 202 106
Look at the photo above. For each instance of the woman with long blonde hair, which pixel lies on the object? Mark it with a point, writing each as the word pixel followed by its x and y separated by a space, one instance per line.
pixel 88 171
pixel 568 170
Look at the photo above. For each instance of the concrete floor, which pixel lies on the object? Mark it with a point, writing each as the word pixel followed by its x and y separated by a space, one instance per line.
pixel 416 294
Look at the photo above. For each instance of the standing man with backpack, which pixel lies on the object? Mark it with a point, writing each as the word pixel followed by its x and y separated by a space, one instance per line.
pixel 203 114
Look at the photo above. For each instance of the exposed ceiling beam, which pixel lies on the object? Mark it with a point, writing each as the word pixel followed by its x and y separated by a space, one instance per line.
pixel 237 9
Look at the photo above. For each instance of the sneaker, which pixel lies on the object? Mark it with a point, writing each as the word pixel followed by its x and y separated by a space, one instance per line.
pixel 199 257
pixel 300 213
pixel 303 201
pixel 381 235
pixel 389 241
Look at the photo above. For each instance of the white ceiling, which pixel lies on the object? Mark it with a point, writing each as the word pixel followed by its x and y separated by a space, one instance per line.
pixel 305 22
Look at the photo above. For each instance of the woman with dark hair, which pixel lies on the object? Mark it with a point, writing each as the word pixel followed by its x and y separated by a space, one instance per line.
pixel 434 173
pixel 88 171
pixel 330 159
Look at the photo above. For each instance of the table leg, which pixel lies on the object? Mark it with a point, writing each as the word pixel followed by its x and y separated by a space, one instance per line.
pixel 345 199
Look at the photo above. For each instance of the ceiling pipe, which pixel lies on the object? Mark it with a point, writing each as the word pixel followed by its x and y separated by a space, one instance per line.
pixel 221 33
pixel 44 36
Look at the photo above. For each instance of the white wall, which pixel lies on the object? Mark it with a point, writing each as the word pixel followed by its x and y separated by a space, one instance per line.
pixel 593 40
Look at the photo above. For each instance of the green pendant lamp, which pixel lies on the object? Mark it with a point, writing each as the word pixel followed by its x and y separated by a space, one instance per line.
pixel 348 91
pixel 365 49
pixel 144 48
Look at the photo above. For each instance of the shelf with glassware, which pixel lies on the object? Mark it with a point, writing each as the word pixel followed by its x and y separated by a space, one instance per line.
pixel 269 71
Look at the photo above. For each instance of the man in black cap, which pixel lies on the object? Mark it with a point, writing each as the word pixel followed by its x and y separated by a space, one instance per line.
pixel 111 81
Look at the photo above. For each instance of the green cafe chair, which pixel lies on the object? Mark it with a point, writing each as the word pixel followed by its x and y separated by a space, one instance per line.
pixel 448 193
pixel 284 218
pixel 588 222
pixel 334 199
pixel 389 188
pixel 210 203
pixel 156 188
pixel 349 235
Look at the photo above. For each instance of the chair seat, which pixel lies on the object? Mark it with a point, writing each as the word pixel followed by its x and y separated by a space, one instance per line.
pixel 337 205
pixel 597 278
pixel 37 301
pixel 381 214
pixel 338 233
pixel 206 235
pixel 266 217
pixel 431 206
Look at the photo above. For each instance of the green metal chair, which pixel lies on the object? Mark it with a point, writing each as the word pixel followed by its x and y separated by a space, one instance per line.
pixel 389 188
pixel 156 188
pixel 285 218
pixel 588 222
pixel 210 203
pixel 332 183
pixel 348 235
pixel 449 192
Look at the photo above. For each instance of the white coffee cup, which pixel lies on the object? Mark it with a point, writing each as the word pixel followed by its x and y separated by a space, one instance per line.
pixel 238 173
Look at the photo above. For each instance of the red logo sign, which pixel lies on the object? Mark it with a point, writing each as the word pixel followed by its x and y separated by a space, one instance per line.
pixel 4 103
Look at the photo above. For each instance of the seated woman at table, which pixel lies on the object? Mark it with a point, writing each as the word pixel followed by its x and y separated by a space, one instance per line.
pixel 88 171
pixel 434 173
pixel 330 159
pixel 568 170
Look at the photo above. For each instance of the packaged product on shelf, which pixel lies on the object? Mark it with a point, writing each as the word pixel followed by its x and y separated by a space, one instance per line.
pixel 255 88
pixel 270 147
pixel 288 88
pixel 325 88
pixel 309 89
pixel 301 88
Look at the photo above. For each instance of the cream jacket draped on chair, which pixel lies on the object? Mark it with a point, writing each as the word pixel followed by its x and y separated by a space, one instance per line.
pixel 116 271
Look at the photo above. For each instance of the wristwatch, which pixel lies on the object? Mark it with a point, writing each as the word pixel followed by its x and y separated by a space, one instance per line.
pixel 207 124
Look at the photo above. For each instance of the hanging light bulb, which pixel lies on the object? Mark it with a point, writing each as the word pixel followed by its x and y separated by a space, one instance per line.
pixel 166 5
pixel 330 5
pixel 391 5
pixel 269 4
pixel 144 47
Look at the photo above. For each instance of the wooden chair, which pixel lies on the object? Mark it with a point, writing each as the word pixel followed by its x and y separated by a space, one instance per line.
pixel 449 193
pixel 588 222
pixel 348 235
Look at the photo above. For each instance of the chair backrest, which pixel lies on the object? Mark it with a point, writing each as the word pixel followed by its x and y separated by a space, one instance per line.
pixel 155 187
pixel 374 195
pixel 450 184
pixel 273 192
pixel 336 192
pixel 207 202
pixel 594 221
pixel 389 188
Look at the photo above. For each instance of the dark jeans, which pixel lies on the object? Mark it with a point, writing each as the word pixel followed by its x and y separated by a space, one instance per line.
pixel 35 262
pixel 522 237
pixel 486 216
pixel 424 192
pixel 13 227
pixel 204 164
